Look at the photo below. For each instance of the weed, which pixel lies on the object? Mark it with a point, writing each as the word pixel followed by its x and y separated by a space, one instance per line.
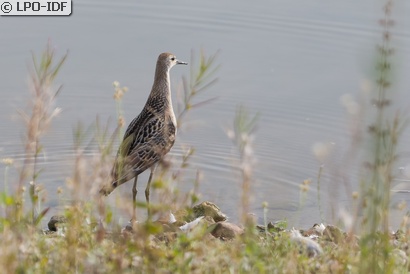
pixel 376 186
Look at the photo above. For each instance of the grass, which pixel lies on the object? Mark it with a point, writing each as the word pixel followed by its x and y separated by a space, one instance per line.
pixel 384 134
pixel 242 136
pixel 91 240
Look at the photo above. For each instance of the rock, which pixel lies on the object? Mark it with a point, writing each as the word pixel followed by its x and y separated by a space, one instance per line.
pixel 400 257
pixel 167 237
pixel 276 226
pixel 399 235
pixel 333 234
pixel 182 215
pixel 306 244
pixel 130 227
pixel 191 225
pixel 272 227
pixel 209 209
pixel 55 221
pixel 315 230
pixel 170 228
pixel 225 230
pixel 208 220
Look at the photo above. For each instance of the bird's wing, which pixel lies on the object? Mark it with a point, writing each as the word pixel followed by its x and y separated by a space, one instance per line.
pixel 120 171
pixel 144 144
pixel 149 145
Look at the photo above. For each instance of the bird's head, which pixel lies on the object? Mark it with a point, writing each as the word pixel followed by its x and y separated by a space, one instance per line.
pixel 169 60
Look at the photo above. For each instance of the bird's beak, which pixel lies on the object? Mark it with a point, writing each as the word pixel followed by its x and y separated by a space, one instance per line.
pixel 181 63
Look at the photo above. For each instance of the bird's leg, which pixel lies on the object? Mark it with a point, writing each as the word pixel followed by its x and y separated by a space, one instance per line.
pixel 134 198
pixel 148 188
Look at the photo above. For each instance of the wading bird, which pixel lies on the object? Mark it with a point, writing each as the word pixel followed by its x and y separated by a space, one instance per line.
pixel 150 135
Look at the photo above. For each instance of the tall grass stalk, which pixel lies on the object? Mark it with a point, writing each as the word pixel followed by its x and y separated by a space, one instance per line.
pixel 201 78
pixel 319 202
pixel 384 134
pixel 5 199
pixel 242 135
pixel 118 94
pixel 37 120
pixel 322 152
pixel 8 162
pixel 265 218
pixel 304 188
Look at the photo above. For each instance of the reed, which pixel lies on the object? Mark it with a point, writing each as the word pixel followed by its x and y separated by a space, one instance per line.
pixel 37 119
pixel 242 136
pixel 384 133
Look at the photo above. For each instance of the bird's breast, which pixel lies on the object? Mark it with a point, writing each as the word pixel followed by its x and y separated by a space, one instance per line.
pixel 172 127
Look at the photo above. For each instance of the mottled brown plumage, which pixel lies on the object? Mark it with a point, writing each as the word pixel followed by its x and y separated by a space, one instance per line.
pixel 150 135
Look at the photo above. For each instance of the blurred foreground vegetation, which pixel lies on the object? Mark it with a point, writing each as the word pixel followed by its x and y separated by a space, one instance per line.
pixel 90 240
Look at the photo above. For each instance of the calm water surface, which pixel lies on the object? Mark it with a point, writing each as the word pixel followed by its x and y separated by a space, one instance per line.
pixel 291 62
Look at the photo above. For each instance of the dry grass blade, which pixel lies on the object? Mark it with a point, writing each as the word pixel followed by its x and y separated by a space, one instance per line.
pixel 201 79
pixel 38 119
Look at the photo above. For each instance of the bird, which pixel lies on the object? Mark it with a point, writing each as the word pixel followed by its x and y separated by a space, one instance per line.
pixel 149 136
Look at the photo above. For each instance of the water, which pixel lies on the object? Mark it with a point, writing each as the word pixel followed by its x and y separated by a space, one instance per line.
pixel 290 62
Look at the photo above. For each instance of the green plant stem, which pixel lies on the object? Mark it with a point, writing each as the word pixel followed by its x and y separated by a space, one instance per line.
pixel 318 193
pixel 6 171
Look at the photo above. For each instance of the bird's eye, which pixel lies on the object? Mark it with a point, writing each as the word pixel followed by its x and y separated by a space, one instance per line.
pixel 173 58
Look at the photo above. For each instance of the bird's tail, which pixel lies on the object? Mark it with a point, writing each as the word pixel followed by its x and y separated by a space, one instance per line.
pixel 107 189
pixel 117 180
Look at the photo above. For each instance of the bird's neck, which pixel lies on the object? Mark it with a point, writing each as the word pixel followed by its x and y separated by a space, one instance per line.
pixel 161 87
pixel 161 90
